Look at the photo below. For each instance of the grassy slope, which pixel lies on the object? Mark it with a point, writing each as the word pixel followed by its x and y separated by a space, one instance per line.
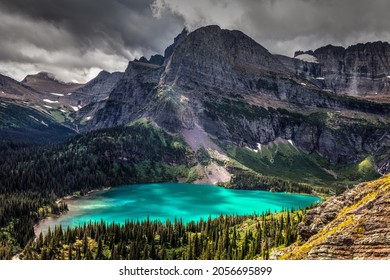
pixel 19 123
pixel 282 159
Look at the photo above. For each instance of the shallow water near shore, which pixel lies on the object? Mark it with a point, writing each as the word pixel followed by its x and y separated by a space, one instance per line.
pixel 162 201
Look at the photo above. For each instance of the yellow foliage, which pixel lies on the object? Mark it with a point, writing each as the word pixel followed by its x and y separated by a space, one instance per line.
pixel 345 219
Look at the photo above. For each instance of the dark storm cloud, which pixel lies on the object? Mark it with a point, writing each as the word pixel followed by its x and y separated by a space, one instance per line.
pixel 64 34
pixel 284 26
pixel 113 26
pixel 76 38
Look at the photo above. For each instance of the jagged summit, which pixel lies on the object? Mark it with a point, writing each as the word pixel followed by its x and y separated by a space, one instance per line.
pixel 178 39
pixel 358 70
pixel 216 57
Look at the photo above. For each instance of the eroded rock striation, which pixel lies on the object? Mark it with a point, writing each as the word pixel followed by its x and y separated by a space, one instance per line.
pixel 359 70
pixel 237 91
pixel 354 225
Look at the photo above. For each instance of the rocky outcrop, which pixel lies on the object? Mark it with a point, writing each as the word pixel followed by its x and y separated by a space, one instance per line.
pixel 156 59
pixel 308 70
pixel 130 98
pixel 177 41
pixel 94 94
pixel 100 87
pixel 354 225
pixel 359 70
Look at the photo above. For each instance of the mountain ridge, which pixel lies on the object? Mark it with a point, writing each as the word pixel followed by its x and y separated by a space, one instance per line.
pixel 225 86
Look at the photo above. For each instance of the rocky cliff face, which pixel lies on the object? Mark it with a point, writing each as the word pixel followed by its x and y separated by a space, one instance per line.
pixel 359 70
pixel 130 98
pixel 217 58
pixel 177 41
pixel 354 225
pixel 338 138
pixel 234 89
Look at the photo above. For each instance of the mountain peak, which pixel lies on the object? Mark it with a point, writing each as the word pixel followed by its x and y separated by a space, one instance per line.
pixel 178 39
pixel 42 76
pixel 213 56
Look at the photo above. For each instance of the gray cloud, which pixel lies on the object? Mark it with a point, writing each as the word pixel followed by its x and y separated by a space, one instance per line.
pixel 75 39
pixel 284 26
pixel 70 36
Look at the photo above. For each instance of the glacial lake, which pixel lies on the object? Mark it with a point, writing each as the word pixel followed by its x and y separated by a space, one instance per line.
pixel 163 201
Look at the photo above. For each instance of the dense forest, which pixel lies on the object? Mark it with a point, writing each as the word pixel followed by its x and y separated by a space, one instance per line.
pixel 34 177
pixel 223 238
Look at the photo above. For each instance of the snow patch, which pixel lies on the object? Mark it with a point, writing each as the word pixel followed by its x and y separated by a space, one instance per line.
pixel 307 57
pixel 320 78
pixel 250 149
pixel 56 94
pixel 255 150
pixel 62 110
pixel 75 108
pixel 49 101
pixel 88 118
pixel 34 118
pixel 45 124
pixel 388 77
pixel 79 107
pixel 291 142
pixel 304 84
pixel 69 93
pixel 47 106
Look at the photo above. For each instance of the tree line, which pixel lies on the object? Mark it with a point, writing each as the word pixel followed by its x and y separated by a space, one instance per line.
pixel 222 238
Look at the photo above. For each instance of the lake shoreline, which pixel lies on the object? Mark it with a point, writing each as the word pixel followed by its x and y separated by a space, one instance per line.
pixel 280 201
pixel 64 199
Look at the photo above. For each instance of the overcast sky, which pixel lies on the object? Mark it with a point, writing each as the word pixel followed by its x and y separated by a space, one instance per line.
pixel 75 39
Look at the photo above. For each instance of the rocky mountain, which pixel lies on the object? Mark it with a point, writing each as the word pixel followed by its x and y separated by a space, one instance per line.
pixel 354 225
pixel 94 94
pixel 48 83
pixel 12 89
pixel 177 41
pixel 225 85
pixel 359 70
pixel 51 101
pixel 224 92
pixel 21 123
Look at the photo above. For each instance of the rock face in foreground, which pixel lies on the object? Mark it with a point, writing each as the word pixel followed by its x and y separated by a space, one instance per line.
pixel 354 225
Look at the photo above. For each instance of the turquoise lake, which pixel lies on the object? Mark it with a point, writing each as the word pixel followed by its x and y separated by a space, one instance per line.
pixel 169 200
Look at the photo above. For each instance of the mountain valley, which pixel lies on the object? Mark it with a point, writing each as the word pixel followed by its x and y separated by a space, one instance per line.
pixel 217 108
